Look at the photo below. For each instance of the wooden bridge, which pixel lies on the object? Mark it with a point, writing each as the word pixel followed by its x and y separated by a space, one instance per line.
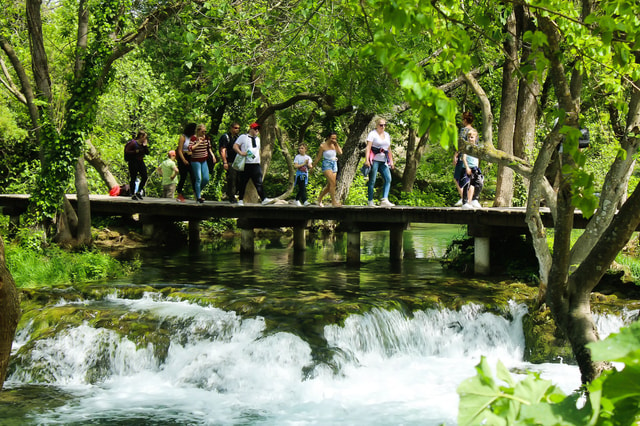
pixel 482 224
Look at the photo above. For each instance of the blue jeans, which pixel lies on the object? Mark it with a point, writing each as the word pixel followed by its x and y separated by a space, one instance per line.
pixel 200 176
pixel 386 175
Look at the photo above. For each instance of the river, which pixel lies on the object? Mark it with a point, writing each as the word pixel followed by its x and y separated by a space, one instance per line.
pixel 282 338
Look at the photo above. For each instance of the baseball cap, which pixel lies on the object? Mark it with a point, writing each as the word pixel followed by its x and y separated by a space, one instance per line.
pixel 254 126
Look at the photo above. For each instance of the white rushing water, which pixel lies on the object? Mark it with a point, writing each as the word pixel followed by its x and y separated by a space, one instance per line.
pixel 385 368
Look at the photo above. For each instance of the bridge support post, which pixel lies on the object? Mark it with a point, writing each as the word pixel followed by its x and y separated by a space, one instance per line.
pixel 353 248
pixel 246 241
pixel 299 234
pixel 481 264
pixel 395 242
pixel 194 233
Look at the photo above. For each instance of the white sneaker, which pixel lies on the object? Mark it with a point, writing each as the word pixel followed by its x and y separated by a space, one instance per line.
pixel 467 206
pixel 386 203
pixel 298 203
pixel 371 204
pixel 267 201
pixel 240 203
pixel 307 203
pixel 476 204
pixel 459 203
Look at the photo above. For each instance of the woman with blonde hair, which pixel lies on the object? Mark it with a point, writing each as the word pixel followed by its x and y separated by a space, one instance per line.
pixel 378 156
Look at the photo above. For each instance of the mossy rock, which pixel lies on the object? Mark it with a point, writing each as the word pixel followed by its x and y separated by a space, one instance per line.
pixel 544 342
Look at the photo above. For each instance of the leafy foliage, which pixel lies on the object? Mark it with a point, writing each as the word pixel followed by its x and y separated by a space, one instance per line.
pixel 611 399
pixel 34 266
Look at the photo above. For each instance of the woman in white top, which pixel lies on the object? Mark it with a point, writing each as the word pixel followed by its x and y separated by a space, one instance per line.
pixel 328 151
pixel 378 156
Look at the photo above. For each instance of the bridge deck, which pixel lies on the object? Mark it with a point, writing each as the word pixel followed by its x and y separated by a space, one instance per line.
pixel 481 223
pixel 283 214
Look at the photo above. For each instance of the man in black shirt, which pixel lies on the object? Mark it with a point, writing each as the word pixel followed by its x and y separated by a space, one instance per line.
pixel 228 154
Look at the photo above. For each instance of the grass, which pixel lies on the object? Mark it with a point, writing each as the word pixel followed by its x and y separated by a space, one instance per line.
pixel 53 266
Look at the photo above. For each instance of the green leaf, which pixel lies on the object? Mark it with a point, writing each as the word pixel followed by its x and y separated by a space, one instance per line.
pixel 621 347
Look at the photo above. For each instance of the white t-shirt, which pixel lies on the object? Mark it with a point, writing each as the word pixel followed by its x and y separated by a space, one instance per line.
pixel 377 141
pixel 302 159
pixel 246 145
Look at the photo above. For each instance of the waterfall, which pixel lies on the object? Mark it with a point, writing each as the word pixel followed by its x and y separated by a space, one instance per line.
pixel 387 367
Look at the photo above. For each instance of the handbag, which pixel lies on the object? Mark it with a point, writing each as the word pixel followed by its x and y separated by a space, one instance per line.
pixel 238 163
pixel 365 170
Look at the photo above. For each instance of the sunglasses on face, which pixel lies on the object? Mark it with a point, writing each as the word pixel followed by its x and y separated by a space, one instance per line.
pixel 382 125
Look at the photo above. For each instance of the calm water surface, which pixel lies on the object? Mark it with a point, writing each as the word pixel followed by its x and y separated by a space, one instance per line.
pixel 285 339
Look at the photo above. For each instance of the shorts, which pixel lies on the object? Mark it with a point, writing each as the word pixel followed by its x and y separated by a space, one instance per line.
pixel 329 165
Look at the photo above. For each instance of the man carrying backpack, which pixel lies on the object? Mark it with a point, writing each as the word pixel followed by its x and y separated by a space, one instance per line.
pixel 134 152
pixel 228 155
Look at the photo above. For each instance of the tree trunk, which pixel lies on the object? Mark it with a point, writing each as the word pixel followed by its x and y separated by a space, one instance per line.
pixel 92 156
pixel 286 150
pixel 414 155
pixel 352 150
pixel 10 313
pixel 84 206
pixel 506 127
pixel 528 91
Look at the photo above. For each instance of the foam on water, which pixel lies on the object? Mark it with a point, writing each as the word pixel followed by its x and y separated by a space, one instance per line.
pixel 385 368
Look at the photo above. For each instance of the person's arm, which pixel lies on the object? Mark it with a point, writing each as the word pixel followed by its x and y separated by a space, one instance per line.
pixel 367 154
pixel 159 170
pixel 309 162
pixel 180 152
pixel 175 172
pixel 319 156
pixel 222 143
pixel 390 159
pixel 236 148
pixel 338 149
pixel 213 157
pixel 466 165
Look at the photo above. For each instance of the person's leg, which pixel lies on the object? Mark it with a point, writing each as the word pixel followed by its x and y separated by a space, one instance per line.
pixel 204 177
pixel 184 172
pixel 143 175
pixel 386 175
pixel 256 178
pixel 331 183
pixel 169 190
pixel 231 185
pixel 133 173
pixel 243 180
pixel 299 186
pixel 303 189
pixel 196 167
pixel 372 179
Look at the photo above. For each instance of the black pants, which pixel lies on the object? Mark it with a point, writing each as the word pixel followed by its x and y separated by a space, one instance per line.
pixel 232 184
pixel 137 167
pixel 301 183
pixel 251 172
pixel 185 170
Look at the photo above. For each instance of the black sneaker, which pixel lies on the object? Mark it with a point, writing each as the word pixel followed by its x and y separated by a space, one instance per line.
pixel 139 196
pixel 134 198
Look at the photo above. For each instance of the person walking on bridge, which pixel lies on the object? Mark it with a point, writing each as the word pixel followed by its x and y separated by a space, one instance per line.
pixel 183 156
pixel 134 151
pixel 378 156
pixel 248 146
pixel 328 152
pixel 228 154
pixel 200 148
